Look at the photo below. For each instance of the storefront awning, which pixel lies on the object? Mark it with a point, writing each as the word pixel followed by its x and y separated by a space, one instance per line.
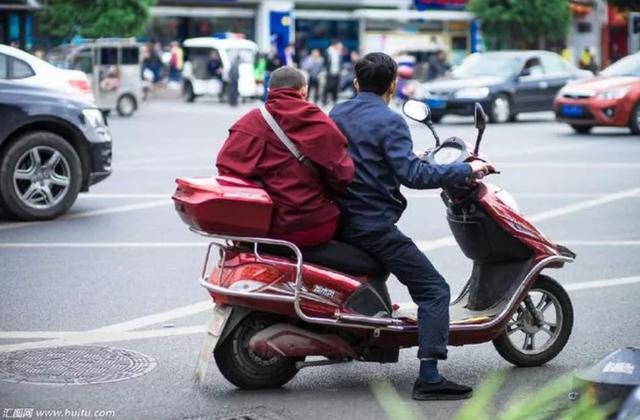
pixel 19 5
pixel 204 12
pixel 407 15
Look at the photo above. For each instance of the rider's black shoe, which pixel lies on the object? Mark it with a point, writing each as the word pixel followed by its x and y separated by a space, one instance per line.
pixel 443 390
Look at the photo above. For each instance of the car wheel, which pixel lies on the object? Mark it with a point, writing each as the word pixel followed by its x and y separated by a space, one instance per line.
pixel 190 96
pixel 582 129
pixel 40 176
pixel 500 109
pixel 634 121
pixel 436 118
pixel 126 105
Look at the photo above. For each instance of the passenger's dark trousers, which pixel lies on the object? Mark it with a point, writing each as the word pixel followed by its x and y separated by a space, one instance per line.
pixel 428 289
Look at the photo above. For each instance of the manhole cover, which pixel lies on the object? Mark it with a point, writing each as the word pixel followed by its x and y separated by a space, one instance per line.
pixel 73 365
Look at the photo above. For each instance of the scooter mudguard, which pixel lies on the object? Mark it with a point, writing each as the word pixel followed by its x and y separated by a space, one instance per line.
pixel 215 327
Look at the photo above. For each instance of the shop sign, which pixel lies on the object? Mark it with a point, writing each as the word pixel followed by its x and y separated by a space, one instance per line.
pixel 440 4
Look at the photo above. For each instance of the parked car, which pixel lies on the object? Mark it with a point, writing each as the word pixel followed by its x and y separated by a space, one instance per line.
pixel 195 74
pixel 113 67
pixel 611 99
pixel 52 146
pixel 504 82
pixel 20 67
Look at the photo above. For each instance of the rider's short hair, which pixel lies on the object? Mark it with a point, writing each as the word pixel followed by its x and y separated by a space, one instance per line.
pixel 375 72
pixel 287 77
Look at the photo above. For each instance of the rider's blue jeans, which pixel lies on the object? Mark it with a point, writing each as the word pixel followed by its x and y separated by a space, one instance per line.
pixel 428 289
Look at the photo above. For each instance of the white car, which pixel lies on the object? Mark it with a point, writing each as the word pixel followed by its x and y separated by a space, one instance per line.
pixel 23 68
pixel 198 81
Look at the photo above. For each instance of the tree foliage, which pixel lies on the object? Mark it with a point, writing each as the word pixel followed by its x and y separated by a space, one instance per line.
pixel 96 18
pixel 522 23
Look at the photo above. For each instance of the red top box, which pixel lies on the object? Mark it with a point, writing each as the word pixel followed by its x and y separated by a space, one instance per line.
pixel 224 205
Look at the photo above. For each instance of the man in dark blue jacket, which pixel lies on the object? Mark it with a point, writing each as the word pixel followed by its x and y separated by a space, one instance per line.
pixel 381 147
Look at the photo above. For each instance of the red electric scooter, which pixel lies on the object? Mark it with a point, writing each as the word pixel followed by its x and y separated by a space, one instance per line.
pixel 276 304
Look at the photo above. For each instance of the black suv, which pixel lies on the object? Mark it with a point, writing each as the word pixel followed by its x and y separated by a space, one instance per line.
pixel 52 146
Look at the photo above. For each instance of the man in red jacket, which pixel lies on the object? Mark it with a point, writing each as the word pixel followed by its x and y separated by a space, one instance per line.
pixel 304 212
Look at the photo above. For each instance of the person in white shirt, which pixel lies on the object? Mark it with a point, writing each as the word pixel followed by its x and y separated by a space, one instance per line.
pixel 334 65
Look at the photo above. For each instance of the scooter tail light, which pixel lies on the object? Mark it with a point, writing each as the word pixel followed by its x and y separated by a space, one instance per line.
pixel 259 272
pixel 250 277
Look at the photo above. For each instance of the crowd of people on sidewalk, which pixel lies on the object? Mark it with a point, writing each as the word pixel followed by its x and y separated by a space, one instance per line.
pixel 328 72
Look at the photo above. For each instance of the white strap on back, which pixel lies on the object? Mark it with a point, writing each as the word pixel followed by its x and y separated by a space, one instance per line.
pixel 280 134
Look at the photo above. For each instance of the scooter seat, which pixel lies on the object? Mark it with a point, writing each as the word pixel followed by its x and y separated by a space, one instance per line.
pixel 335 255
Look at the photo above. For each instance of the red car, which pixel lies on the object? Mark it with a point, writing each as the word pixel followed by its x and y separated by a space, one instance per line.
pixel 611 99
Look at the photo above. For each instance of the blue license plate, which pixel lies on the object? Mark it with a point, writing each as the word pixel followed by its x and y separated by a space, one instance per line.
pixel 437 103
pixel 572 110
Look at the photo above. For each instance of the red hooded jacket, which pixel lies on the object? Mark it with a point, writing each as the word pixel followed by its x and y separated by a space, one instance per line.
pixel 302 201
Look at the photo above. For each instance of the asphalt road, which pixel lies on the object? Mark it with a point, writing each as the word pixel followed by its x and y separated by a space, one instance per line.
pixel 120 269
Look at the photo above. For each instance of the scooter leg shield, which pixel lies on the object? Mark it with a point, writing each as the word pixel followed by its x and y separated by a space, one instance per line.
pixel 289 341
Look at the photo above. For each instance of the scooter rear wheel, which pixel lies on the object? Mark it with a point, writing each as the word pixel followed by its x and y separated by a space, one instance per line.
pixel 526 344
pixel 245 369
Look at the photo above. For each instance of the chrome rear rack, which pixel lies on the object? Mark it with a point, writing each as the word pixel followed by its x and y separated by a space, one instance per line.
pixel 227 242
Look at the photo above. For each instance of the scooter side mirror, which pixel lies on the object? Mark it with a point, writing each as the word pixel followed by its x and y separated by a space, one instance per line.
pixel 480 121
pixel 416 110
pixel 479 117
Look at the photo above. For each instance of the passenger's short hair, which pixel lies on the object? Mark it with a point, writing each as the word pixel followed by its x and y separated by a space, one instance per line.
pixel 287 77
pixel 375 72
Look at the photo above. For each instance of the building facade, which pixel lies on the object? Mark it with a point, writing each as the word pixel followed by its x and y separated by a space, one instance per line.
pixel 363 25
pixel 16 22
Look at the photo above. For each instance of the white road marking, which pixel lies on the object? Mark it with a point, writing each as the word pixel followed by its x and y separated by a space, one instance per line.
pixel 103 244
pixel 122 331
pixel 158 318
pixel 525 151
pixel 427 245
pixel 91 337
pixel 531 150
pixel 444 242
pixel 123 195
pixel 21 335
pixel 407 193
pixel 542 216
pixel 210 169
pixel 600 243
pixel 598 284
pixel 584 205
pixel 569 165
pixel 92 213
pixel 158 159
pixel 187 169
pixel 425 194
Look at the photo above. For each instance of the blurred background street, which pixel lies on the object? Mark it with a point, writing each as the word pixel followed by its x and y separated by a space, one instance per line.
pixel 103 107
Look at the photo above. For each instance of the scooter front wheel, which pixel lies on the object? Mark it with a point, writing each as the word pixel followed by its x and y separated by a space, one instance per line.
pixel 245 369
pixel 530 340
